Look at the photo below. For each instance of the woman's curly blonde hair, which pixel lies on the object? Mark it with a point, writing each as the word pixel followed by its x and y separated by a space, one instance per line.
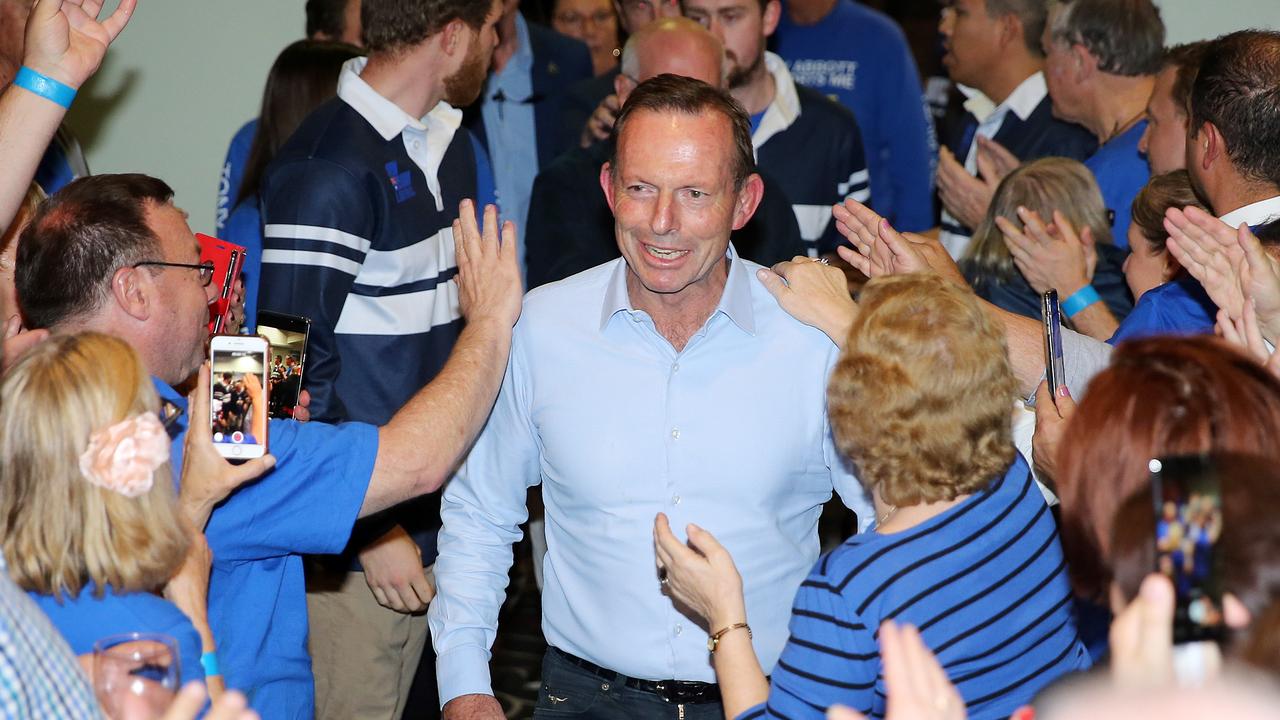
pixel 921 399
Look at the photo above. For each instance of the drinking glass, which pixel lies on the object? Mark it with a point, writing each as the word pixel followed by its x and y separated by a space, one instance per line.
pixel 135 675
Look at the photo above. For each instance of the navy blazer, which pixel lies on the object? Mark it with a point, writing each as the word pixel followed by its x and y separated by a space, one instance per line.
pixel 558 62
pixel 1040 135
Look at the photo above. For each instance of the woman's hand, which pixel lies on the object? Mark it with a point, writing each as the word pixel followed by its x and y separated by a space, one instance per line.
pixel 701 575
pixel 814 293
pixel 1050 257
pixel 207 477
pixel 917 686
pixel 1052 416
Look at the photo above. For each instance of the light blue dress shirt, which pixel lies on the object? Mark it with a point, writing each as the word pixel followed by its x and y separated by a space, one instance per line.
pixel 731 434
pixel 512 136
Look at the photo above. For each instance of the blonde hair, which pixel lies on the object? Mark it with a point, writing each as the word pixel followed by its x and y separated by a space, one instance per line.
pixel 921 399
pixel 1043 185
pixel 58 531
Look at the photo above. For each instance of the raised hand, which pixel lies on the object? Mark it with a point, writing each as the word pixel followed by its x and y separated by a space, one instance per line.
pixel 1056 257
pixel 878 249
pixel 1210 251
pixel 999 161
pixel 66 41
pixel 489 285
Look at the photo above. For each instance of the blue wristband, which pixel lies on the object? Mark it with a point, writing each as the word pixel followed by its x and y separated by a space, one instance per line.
pixel 1079 300
pixel 45 86
pixel 209 661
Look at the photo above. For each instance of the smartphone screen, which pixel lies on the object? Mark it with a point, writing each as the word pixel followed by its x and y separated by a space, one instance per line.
pixel 288 336
pixel 1052 317
pixel 238 395
pixel 1188 509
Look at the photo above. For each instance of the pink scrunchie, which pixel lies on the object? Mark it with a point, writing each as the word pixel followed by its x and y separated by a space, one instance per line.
pixel 123 457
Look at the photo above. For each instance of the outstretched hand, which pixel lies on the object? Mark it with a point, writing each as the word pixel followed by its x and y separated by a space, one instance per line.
pixel 813 293
pixel 489 284
pixel 66 41
pixel 877 249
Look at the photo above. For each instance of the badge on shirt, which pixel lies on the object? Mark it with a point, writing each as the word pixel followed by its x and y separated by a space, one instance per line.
pixel 402 182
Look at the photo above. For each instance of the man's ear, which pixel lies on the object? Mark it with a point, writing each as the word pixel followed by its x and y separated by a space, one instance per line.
pixel 749 198
pixel 1086 64
pixel 453 38
pixel 1011 30
pixel 1215 146
pixel 133 291
pixel 606 183
pixel 772 14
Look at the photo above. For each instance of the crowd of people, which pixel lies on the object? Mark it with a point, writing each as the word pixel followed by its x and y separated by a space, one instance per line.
pixel 759 280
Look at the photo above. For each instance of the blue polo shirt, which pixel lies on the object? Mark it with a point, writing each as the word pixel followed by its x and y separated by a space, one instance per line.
pixel 86 619
pixel 1121 171
pixel 257 600
pixel 1178 307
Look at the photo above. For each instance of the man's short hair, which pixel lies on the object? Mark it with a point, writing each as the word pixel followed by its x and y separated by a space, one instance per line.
pixel 76 241
pixel 391 25
pixel 1033 14
pixel 1127 36
pixel 327 18
pixel 1238 90
pixel 1186 58
pixel 668 93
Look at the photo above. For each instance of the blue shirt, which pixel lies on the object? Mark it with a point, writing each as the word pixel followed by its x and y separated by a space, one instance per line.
pixel 984 582
pixel 1121 171
pixel 87 618
pixel 39 677
pixel 512 136
pixel 257 600
pixel 730 433
pixel 232 175
pixel 244 228
pixel 1178 307
pixel 861 58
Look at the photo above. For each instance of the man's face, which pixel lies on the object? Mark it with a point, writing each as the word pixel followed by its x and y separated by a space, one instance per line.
pixel 351 24
pixel 739 24
pixel 182 312
pixel 464 86
pixel 673 198
pixel 635 14
pixel 1165 140
pixel 970 39
pixel 1060 65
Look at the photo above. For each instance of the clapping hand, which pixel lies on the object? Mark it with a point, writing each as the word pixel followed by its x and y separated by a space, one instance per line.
pixel 877 249
pixel 1050 256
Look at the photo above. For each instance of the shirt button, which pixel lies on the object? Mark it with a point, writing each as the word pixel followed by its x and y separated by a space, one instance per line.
pixel 679 629
pixel 675 368
pixel 675 433
pixel 416 145
pixel 675 500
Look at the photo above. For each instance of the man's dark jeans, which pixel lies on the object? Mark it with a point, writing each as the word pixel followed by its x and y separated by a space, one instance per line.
pixel 569 691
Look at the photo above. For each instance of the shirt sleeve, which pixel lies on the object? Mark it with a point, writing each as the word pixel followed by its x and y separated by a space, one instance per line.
pixel 481 511
pixel 308 503
pixel 831 658
pixel 317 223
pixel 912 145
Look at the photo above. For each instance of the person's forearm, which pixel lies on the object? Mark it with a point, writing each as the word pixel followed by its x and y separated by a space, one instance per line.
pixel 27 125
pixel 1025 340
pixel 420 447
pixel 743 684
pixel 1096 321
pixel 213 683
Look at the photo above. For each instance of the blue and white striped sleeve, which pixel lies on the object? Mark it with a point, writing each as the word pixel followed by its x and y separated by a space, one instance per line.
pixel 317 223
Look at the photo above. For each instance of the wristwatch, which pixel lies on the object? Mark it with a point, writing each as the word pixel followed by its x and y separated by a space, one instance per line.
pixel 714 639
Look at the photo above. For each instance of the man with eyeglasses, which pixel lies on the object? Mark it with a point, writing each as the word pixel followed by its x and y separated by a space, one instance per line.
pixel 112 254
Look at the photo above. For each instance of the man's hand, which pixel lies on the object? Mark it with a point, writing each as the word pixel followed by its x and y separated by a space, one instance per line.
pixel 600 124
pixel 1052 416
pixel 393 570
pixel 813 293
pixel 302 411
pixel 18 340
pixel 473 707
pixel 235 314
pixel 1050 256
pixel 997 158
pixel 964 196
pixel 207 477
pixel 66 41
pixel 489 286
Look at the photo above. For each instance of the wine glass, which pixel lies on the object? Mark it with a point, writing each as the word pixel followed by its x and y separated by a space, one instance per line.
pixel 135 675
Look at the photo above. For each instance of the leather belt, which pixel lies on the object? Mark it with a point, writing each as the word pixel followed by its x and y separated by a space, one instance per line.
pixel 676 692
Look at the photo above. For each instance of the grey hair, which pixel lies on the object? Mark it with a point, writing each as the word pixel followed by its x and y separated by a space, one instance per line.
pixel 1127 36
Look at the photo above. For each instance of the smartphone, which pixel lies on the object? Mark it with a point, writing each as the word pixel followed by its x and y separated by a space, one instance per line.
pixel 1052 317
pixel 227 259
pixel 288 336
pixel 1188 510
pixel 238 395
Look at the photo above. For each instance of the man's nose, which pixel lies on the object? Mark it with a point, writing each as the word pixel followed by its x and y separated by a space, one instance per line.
pixel 663 219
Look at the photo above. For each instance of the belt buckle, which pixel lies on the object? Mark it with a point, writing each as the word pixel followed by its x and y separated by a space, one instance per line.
pixel 678 692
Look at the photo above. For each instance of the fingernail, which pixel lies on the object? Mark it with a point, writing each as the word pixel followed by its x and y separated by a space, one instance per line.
pixel 762 274
pixel 1064 392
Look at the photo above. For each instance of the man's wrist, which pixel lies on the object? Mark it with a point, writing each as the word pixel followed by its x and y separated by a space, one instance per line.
pixel 45 85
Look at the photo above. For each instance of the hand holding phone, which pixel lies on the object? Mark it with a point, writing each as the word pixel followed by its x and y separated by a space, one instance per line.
pixel 238 397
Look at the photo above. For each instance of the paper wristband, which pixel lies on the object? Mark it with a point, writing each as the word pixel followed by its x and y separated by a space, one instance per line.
pixel 1079 300
pixel 45 86
pixel 209 661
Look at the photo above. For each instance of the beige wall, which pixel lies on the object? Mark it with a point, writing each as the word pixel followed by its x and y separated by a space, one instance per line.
pixel 177 84
pixel 1188 20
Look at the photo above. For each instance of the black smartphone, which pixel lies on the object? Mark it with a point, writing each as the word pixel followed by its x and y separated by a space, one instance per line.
pixel 1188 510
pixel 287 357
pixel 1051 315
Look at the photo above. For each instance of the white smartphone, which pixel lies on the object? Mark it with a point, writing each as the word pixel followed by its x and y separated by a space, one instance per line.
pixel 238 395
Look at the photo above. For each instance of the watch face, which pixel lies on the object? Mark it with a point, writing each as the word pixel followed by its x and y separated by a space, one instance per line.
pixel 711 644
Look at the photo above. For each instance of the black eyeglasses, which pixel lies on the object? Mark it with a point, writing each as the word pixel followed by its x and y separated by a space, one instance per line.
pixel 205 268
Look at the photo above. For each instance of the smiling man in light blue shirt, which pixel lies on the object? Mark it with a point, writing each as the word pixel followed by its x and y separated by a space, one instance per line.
pixel 666 381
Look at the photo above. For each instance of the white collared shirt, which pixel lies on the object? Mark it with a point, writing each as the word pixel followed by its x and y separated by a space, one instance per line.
pixel 1259 213
pixel 785 107
pixel 425 139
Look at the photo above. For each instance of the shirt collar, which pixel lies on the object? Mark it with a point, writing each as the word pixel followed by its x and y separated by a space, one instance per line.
pixel 1022 101
pixel 385 116
pixel 735 301
pixel 1255 214
pixel 785 107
